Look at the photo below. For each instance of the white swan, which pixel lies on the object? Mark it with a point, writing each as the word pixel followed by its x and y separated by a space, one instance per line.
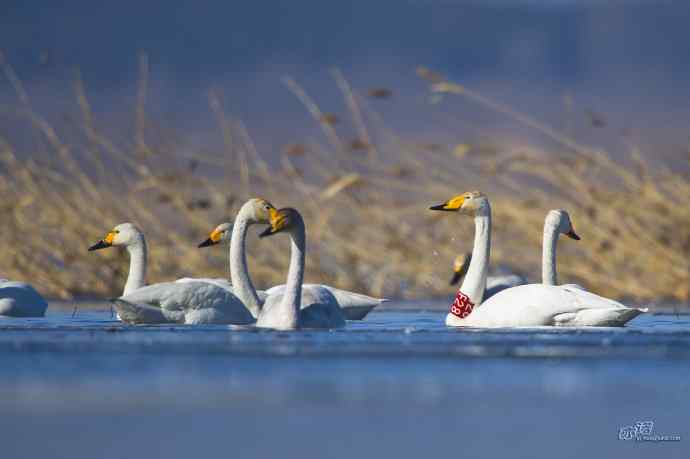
pixel 526 305
pixel 355 306
pixel 193 301
pixel 19 299
pixel 297 307
pixel 494 284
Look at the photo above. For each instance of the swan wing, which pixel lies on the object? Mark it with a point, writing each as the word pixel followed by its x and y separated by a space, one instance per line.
pixel 217 281
pixel 320 309
pixel 198 302
pixel 19 299
pixel 538 305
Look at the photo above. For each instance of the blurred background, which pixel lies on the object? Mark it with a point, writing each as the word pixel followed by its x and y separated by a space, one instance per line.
pixel 171 114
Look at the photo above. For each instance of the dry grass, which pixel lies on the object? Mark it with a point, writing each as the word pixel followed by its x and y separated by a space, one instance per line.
pixel 365 204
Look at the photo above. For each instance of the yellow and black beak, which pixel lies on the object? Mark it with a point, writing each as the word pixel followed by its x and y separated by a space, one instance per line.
pixel 452 205
pixel 278 221
pixel 269 231
pixel 213 239
pixel 104 243
pixel 572 235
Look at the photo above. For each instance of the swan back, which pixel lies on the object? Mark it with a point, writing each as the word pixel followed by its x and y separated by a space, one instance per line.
pixel 19 299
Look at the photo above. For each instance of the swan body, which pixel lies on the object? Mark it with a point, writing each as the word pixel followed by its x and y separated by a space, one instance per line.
pixel 355 306
pixel 184 303
pixel 19 299
pixel 295 307
pixel 526 305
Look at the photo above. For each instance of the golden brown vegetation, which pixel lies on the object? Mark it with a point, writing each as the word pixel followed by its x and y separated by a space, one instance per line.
pixel 365 204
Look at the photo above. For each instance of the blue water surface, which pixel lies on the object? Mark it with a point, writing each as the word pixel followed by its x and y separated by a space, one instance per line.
pixel 398 384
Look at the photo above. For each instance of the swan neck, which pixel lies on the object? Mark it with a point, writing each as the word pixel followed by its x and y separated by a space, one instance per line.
pixel 239 272
pixel 475 280
pixel 290 304
pixel 548 257
pixel 137 266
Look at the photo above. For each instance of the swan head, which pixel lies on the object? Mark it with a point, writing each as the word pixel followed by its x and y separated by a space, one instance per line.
pixel 124 234
pixel 560 220
pixel 470 203
pixel 282 220
pixel 257 210
pixel 220 233
pixel 460 266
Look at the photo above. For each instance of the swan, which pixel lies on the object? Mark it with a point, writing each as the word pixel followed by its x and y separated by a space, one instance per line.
pixel 494 284
pixel 525 305
pixel 296 307
pixel 193 301
pixel 19 299
pixel 355 306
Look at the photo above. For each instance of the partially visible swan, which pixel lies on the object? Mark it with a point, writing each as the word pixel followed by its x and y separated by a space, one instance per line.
pixel 494 284
pixel 190 302
pixel 556 222
pixel 297 307
pixel 19 299
pixel 526 305
pixel 355 306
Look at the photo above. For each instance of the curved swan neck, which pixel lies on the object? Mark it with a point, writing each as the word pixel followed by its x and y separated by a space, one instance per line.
pixel 548 257
pixel 137 266
pixel 475 280
pixel 290 304
pixel 239 272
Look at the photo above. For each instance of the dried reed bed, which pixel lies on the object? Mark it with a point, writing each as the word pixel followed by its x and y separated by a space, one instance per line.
pixel 365 202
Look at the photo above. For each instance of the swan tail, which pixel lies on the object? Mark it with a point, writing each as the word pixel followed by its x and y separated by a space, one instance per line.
pixel 599 317
pixel 355 306
pixel 133 313
pixel 356 311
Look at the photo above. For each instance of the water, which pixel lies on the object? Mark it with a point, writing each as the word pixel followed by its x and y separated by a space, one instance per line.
pixel 397 384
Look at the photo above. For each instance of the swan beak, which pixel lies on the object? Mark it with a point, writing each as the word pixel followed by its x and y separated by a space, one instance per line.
pixel 452 205
pixel 456 278
pixel 99 245
pixel 460 267
pixel 278 222
pixel 572 235
pixel 267 232
pixel 213 239
pixel 104 243
pixel 206 243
